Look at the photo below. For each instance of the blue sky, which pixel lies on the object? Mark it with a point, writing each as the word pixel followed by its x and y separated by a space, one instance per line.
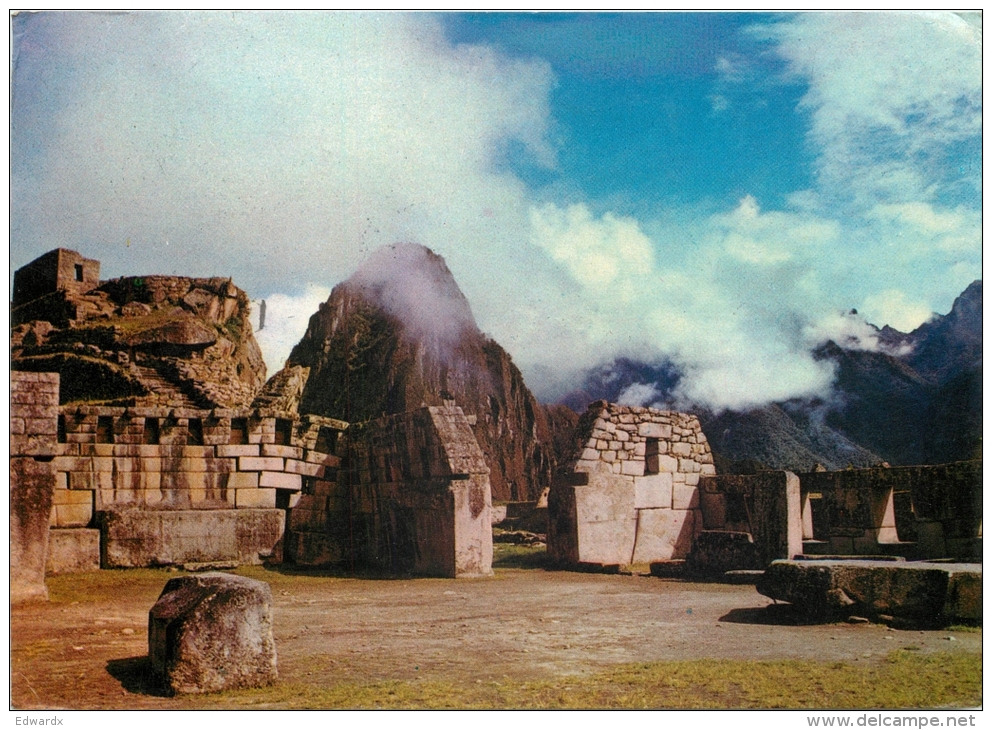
pixel 715 189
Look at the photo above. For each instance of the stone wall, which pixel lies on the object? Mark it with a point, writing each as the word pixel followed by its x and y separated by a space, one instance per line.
pixel 413 496
pixel 167 486
pixel 748 521
pixel 630 492
pixel 60 269
pixel 34 399
pixel 914 511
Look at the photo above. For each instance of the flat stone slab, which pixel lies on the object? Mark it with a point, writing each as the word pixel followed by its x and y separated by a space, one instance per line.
pixel 936 594
pixel 211 632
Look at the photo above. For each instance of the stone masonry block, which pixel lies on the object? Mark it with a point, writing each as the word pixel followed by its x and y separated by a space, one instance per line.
pixel 301 467
pixel 654 430
pixel 73 515
pixel 280 480
pixel 255 498
pixel 319 457
pixel 289 452
pixel 653 491
pixel 248 463
pixel 75 550
pixel 632 468
pixel 237 450
pixel 663 534
pixel 242 480
pixel 684 496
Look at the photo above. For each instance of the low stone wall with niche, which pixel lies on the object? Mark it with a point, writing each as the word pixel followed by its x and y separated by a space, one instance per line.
pixel 631 492
pixel 157 486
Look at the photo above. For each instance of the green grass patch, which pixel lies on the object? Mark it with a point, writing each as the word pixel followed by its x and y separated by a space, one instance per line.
pixel 98 585
pixel 902 680
pixel 509 555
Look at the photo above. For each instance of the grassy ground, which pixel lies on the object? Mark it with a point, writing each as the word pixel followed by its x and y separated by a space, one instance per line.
pixel 903 680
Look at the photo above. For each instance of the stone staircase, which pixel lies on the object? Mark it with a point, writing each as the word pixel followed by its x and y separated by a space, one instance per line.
pixel 162 392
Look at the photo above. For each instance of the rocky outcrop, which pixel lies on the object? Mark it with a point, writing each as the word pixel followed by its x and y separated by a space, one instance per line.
pixel 399 335
pixel 212 632
pixel 148 341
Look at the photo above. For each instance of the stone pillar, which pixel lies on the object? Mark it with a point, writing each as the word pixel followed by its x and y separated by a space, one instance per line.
pixel 34 407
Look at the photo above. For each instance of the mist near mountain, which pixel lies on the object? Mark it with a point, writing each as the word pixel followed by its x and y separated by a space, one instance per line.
pixel 900 398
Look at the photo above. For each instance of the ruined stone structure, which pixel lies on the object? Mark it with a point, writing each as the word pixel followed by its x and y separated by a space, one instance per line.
pixel 60 270
pixel 915 512
pixel 166 449
pixel 920 512
pixel 130 487
pixel 641 488
pixel 748 521
pixel 34 399
pixel 414 496
pixel 630 494
pixel 151 486
pixel 149 341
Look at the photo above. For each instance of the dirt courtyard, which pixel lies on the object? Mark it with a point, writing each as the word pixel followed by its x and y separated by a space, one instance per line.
pixel 85 647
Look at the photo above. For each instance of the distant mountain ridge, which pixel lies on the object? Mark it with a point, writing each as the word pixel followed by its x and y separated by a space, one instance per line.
pixel 923 406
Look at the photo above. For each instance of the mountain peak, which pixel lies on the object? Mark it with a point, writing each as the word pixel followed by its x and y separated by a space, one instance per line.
pixel 412 283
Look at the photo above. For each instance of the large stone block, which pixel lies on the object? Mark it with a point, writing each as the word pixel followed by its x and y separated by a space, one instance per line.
pixel 685 496
pixel 237 450
pixel 140 538
pixel 32 483
pixel 929 593
pixel 212 632
pixel 279 480
pixel 255 498
pixel 289 452
pixel 74 550
pixel 663 534
pixel 653 491
pixel 260 463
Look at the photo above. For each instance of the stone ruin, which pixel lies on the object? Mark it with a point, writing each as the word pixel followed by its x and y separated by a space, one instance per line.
pixel 222 477
pixel 630 494
pixel 641 488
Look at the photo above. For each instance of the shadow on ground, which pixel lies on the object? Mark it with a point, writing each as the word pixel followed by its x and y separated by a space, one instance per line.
pixel 137 676
pixel 777 614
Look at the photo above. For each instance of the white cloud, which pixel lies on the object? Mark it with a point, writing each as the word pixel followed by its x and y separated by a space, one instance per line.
pixel 283 149
pixel 638 394
pixel 888 94
pixel 598 252
pixel 894 308
pixel 246 138
pixel 286 320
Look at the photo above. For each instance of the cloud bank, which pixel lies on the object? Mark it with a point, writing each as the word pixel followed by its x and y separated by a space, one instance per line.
pixel 284 149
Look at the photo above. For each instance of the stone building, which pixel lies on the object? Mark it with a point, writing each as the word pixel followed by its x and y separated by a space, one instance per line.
pixel 630 494
pixel 641 488
pixel 58 270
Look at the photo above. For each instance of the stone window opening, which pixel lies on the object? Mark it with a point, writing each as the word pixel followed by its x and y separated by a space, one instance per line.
pixel 150 433
pixel 61 430
pixel 195 431
pixel 79 272
pixel 239 431
pixel 652 449
pixel 284 432
pixel 327 439
pixel 105 429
